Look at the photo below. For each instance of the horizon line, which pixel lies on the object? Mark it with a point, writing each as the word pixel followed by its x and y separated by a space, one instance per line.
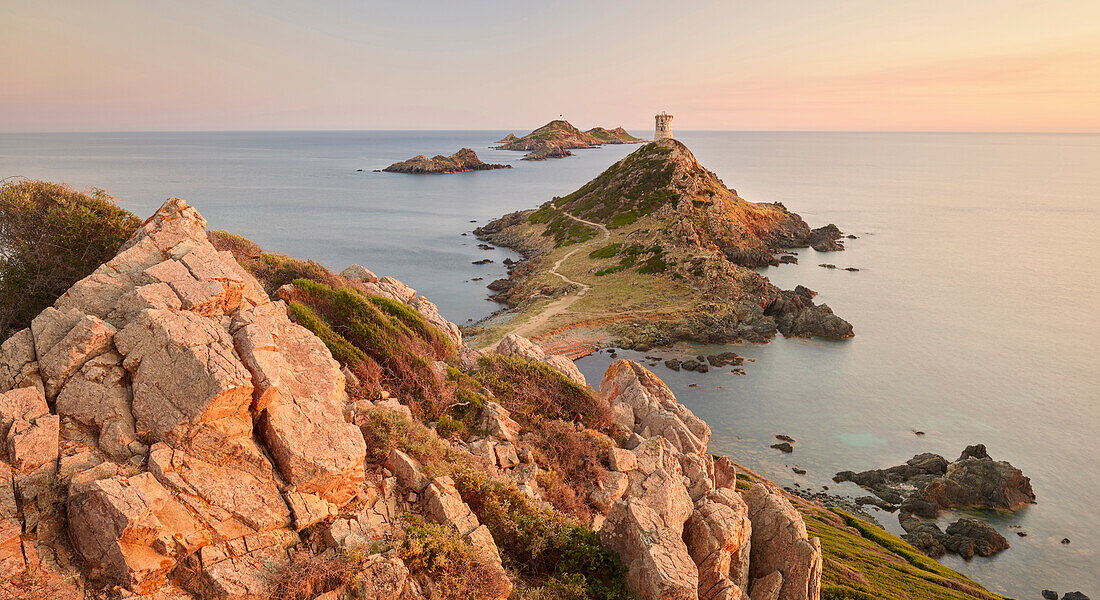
pixel 334 130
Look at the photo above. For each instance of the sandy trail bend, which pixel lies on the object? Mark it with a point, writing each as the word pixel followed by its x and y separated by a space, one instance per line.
pixel 561 304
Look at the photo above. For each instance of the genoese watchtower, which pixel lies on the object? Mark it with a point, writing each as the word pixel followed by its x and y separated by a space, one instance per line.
pixel 664 127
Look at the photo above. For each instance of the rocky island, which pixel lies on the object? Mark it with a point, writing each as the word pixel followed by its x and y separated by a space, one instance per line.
pixel 459 162
pixel 556 138
pixel 927 485
pixel 200 419
pixel 654 250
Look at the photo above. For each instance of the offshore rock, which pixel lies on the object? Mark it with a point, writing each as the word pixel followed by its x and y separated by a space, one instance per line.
pixel 461 161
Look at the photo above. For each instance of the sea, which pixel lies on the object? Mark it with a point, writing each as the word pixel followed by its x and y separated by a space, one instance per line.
pixel 976 303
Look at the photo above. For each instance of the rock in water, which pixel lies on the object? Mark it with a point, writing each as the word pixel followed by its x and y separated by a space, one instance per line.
pixel 461 161
pixel 967 537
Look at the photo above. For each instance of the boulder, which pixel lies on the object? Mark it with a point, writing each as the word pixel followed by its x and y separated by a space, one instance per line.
pixel 780 543
pixel 21 404
pixel 379 578
pixel 359 272
pixel 967 537
pixel 33 443
pixel 232 501
pixel 11 549
pixel 514 345
pixel 132 528
pixel 718 535
pixel 308 509
pixel 658 564
pixel 18 362
pixel 621 459
pixel 641 402
pixel 98 396
pixel 87 338
pixel 767 587
pixel 189 388
pixel 658 483
pixel 498 423
pixel 302 422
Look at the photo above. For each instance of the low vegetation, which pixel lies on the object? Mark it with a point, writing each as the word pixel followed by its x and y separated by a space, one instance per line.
pixel 546 549
pixel 51 236
pixel 632 188
pixel 564 230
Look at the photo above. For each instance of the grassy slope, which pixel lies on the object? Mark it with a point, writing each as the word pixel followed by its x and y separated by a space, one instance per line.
pixel 614 295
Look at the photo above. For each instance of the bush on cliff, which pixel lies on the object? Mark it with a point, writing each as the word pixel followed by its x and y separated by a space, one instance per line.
pixel 383 342
pixel 51 236
pixel 532 392
pixel 271 269
pixel 547 549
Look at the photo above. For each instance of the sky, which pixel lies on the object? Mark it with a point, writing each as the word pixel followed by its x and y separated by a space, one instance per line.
pixel 866 65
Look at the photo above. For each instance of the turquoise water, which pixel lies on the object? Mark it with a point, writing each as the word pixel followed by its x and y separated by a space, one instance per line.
pixel 976 309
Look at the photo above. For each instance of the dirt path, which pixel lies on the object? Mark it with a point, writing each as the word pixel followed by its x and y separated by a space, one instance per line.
pixel 561 304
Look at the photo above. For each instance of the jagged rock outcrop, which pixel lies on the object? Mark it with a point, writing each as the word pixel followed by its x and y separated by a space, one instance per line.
pixel 927 484
pixel 459 162
pixel 780 543
pixel 680 526
pixel 172 344
pixel 643 404
pixel 796 315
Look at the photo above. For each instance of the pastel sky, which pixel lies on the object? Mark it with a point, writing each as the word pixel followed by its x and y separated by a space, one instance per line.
pixel 974 65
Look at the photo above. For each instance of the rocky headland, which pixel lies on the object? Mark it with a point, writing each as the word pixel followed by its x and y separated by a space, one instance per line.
pixel 655 250
pixel 558 137
pixel 200 419
pixel 928 484
pixel 462 161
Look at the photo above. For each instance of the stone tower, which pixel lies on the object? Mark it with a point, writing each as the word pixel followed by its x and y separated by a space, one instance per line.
pixel 664 127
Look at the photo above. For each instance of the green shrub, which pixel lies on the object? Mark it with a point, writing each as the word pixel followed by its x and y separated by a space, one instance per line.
pixel 270 269
pixel 622 219
pixel 606 252
pixel 572 456
pixel 533 392
pixel 536 543
pixel 383 342
pixel 52 236
pixel 451 562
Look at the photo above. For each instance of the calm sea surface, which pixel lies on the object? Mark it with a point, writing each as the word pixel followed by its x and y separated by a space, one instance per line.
pixel 976 307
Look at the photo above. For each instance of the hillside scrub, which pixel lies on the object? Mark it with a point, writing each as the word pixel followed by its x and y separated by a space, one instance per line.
pixel 543 547
pixel 273 270
pixel 51 236
pixel 381 341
